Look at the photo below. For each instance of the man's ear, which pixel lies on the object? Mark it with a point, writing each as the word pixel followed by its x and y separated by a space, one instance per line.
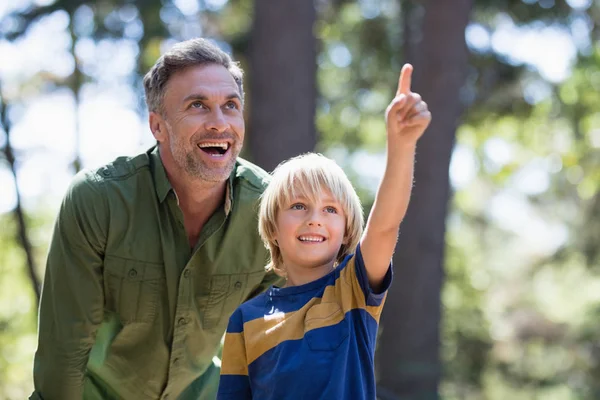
pixel 157 126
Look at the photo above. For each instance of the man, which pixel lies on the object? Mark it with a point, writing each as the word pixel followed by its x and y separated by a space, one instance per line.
pixel 151 254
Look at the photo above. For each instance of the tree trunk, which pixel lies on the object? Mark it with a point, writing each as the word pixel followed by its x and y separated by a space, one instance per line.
pixel 282 60
pixel 408 362
pixel 23 233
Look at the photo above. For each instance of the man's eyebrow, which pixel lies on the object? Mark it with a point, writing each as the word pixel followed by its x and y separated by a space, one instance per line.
pixel 199 96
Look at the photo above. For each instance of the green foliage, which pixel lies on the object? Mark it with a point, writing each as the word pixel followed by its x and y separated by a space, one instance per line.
pixel 17 317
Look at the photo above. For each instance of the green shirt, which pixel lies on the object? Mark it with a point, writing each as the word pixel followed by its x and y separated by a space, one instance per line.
pixel 128 310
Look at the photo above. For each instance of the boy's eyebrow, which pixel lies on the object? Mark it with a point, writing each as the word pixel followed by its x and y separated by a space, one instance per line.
pixel 303 197
pixel 200 96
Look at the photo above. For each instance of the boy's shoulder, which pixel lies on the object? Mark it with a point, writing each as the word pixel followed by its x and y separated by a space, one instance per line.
pixel 251 309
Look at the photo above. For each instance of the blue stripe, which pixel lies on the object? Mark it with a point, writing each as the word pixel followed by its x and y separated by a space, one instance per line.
pixel 234 387
pixel 236 322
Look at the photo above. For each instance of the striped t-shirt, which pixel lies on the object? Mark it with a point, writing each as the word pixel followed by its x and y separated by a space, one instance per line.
pixel 314 341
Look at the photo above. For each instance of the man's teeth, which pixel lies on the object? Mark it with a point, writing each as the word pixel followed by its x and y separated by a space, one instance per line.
pixel 222 145
pixel 311 238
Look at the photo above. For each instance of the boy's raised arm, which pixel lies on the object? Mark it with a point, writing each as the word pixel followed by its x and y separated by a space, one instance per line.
pixel 407 117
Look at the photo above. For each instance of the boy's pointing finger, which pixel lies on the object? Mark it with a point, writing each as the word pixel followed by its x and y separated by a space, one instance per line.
pixel 405 80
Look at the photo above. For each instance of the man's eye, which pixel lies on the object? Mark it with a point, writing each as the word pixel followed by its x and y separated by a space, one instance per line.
pixel 298 206
pixel 331 210
pixel 231 105
pixel 197 104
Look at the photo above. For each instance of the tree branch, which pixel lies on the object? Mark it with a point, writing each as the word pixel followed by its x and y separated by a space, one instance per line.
pixel 22 235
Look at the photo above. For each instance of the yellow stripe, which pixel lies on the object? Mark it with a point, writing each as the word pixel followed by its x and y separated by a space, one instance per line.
pixel 347 288
pixel 234 355
pixel 263 334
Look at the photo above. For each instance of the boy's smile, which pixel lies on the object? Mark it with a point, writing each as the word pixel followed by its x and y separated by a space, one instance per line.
pixel 311 238
pixel 309 233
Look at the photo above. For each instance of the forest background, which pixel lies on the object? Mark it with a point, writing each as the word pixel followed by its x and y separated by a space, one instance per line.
pixel 497 282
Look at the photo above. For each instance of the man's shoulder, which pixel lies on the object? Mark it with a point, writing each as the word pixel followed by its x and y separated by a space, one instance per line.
pixel 122 167
pixel 251 175
pixel 90 181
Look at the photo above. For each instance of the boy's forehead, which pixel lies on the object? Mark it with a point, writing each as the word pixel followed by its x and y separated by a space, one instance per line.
pixel 304 190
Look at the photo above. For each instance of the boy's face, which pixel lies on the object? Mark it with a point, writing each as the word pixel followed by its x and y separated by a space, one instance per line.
pixel 310 234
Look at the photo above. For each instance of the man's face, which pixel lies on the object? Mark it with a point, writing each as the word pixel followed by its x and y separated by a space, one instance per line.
pixel 201 130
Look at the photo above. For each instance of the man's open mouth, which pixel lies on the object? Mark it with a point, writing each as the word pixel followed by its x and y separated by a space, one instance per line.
pixel 215 148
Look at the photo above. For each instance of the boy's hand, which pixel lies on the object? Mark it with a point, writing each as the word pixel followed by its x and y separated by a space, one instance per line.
pixel 407 116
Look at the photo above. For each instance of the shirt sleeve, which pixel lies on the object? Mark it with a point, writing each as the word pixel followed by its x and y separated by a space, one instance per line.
pixel 234 382
pixel 72 302
pixel 372 298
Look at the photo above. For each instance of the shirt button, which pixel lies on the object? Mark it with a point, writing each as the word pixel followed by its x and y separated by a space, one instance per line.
pixel 238 285
pixel 182 321
pixel 132 273
pixel 176 361
pixel 186 273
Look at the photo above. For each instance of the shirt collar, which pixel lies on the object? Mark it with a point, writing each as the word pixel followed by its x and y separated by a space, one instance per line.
pixel 159 175
pixel 163 186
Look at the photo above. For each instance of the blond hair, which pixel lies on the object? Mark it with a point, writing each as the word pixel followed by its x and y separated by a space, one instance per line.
pixel 308 175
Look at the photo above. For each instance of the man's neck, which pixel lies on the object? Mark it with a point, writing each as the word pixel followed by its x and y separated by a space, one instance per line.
pixel 197 199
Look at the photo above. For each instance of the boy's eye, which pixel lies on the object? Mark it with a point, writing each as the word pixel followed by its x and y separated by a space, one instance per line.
pixel 331 210
pixel 298 206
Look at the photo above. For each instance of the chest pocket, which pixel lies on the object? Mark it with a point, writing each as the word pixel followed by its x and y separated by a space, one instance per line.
pixel 132 288
pixel 325 327
pixel 226 293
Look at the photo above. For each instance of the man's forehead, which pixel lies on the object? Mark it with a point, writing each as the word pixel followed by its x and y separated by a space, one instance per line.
pixel 205 80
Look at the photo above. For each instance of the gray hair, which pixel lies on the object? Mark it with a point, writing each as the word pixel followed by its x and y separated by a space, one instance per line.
pixel 193 52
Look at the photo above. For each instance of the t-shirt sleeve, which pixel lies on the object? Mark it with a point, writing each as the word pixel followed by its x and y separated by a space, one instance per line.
pixel 234 382
pixel 359 271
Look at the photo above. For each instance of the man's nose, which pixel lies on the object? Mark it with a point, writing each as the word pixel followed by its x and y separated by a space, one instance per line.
pixel 216 121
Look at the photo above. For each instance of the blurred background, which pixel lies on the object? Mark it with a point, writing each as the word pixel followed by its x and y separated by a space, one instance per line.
pixel 497 282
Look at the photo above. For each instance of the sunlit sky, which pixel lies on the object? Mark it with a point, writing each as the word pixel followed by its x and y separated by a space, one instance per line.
pixel 43 134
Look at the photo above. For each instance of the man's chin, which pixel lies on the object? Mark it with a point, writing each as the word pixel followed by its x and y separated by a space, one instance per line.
pixel 212 174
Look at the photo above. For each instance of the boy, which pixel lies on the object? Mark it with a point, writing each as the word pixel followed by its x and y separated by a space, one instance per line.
pixel 315 337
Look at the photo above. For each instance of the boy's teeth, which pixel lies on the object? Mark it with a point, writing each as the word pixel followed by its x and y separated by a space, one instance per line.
pixel 311 238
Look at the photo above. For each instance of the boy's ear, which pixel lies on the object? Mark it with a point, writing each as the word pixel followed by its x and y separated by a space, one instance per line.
pixel 346 239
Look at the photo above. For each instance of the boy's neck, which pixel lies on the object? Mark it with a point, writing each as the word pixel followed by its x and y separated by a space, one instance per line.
pixel 301 275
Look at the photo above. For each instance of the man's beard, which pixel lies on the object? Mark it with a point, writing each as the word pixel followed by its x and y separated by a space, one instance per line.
pixel 196 168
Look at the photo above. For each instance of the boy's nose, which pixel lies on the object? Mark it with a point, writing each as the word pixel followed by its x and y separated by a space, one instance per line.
pixel 314 219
